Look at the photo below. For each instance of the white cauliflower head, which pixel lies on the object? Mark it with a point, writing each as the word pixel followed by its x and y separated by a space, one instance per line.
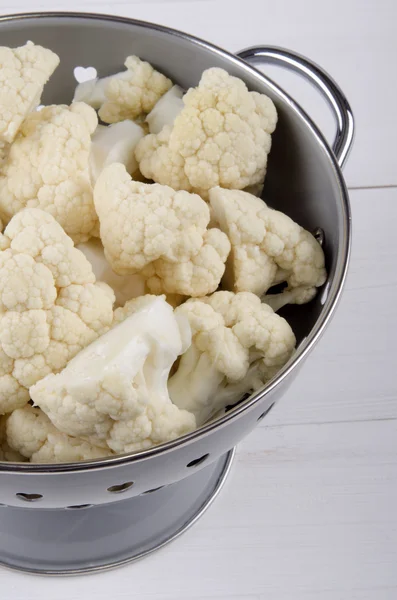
pixel 238 345
pixel 160 232
pixel 267 246
pixel 125 95
pixel 50 304
pixel 30 433
pixel 23 73
pixel 115 391
pixel 47 168
pixel 221 137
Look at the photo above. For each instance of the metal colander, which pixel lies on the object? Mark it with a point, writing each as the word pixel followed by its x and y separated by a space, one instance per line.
pixel 73 518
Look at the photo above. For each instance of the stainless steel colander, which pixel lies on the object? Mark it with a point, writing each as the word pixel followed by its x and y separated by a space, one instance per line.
pixel 73 518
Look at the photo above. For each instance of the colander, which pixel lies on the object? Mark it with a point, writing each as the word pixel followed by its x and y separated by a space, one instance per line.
pixel 74 518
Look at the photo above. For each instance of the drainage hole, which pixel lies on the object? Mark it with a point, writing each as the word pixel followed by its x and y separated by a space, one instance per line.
pixel 29 497
pixel 118 489
pixel 83 74
pixel 79 506
pixel 263 415
pixel 152 490
pixel 197 461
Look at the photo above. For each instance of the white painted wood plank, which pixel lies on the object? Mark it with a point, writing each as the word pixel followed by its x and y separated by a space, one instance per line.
pixel 351 373
pixel 354 41
pixel 309 512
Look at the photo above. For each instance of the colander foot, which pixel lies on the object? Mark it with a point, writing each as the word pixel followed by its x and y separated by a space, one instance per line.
pixel 67 542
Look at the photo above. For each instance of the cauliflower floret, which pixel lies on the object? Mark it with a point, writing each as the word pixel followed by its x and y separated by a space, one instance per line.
pixel 159 232
pixel 125 287
pixel 50 304
pixel 4 149
pixel 115 391
pixel 125 95
pixel 30 433
pixel 238 345
pixel 298 295
pixel 8 454
pixel 267 246
pixel 222 137
pixel 23 73
pixel 140 223
pixel 114 144
pixel 47 168
pixel 133 306
pixel 166 110
pixel 198 276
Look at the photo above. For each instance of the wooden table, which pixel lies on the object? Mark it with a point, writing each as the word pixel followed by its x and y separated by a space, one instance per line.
pixel 309 512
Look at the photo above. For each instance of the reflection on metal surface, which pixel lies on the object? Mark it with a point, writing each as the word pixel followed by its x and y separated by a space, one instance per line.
pixel 319 235
pixel 221 469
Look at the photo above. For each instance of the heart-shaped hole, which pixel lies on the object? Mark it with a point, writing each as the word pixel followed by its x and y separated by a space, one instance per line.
pixel 82 74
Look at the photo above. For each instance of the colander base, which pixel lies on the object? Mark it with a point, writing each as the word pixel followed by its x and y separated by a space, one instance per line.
pixel 67 542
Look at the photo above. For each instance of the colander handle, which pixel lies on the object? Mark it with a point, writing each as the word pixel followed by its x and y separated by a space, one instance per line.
pixel 321 80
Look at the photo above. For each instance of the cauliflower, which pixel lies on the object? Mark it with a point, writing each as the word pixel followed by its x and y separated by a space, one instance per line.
pixel 159 232
pixel 4 149
pixel 267 246
pixel 47 168
pixel 221 137
pixel 50 304
pixel 198 276
pixel 115 143
pixel 166 110
pixel 92 91
pixel 125 287
pixel 115 391
pixel 100 379
pixel 298 295
pixel 7 454
pixel 126 95
pixel 30 433
pixel 23 73
pixel 238 345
